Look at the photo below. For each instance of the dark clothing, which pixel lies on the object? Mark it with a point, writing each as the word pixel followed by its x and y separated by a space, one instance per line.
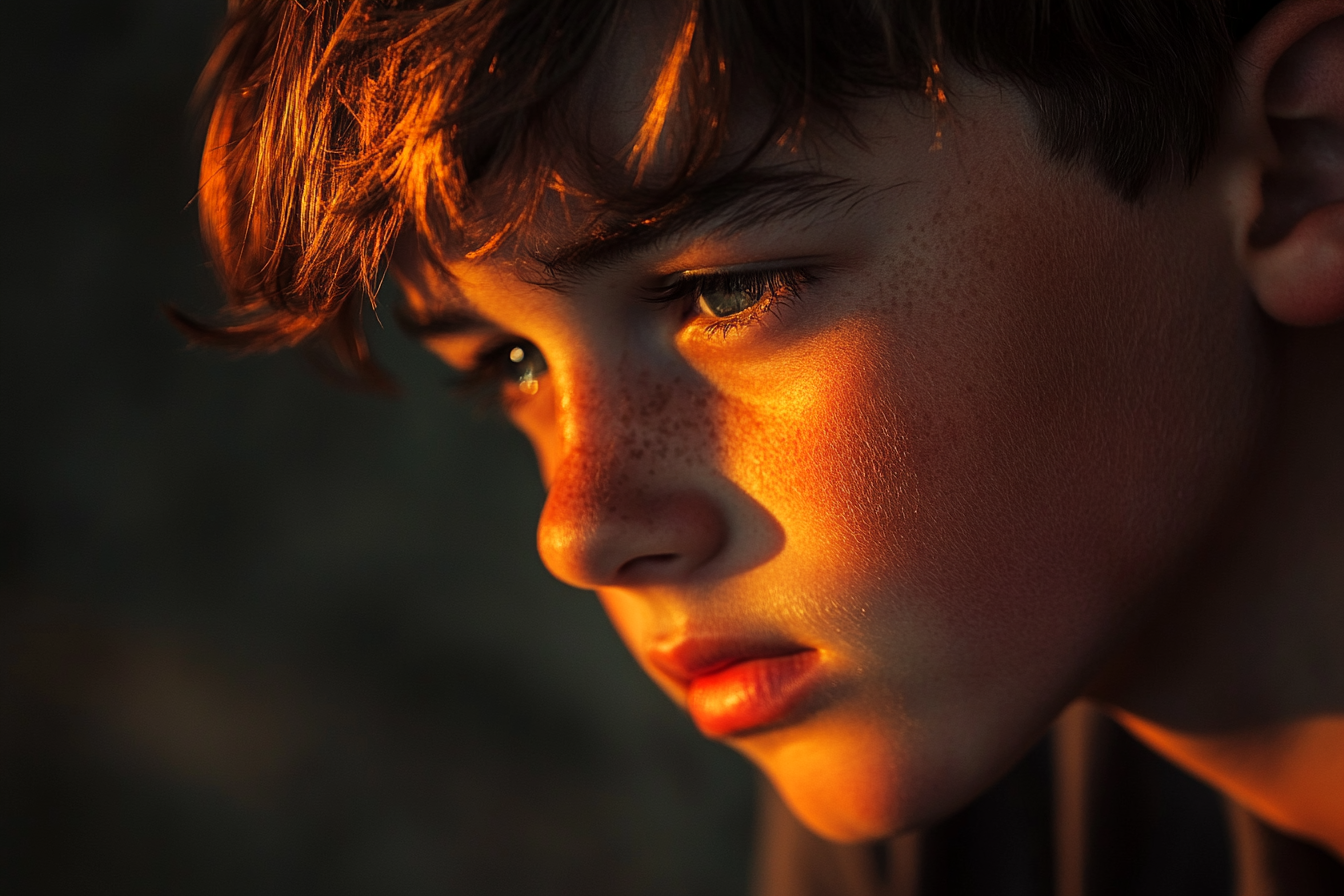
pixel 1089 812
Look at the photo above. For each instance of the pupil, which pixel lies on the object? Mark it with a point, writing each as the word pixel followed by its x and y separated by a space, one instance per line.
pixel 727 302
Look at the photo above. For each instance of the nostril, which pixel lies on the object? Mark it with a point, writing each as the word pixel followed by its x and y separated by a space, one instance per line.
pixel 631 568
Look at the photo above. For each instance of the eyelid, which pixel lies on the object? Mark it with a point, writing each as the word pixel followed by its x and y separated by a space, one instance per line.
pixel 751 267
pixel 461 352
pixel 681 284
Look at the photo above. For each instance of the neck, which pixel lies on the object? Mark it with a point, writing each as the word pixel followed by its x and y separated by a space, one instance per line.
pixel 1238 674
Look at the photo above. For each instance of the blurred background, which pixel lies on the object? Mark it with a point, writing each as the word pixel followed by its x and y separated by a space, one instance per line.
pixel 256 633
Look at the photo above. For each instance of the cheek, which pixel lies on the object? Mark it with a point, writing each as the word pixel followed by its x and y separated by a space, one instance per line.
pixel 826 450
pixel 1002 448
pixel 979 476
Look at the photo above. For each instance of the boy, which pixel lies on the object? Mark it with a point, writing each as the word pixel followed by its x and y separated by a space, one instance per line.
pixel 899 372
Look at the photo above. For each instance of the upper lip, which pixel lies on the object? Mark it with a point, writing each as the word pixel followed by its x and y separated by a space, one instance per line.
pixel 690 658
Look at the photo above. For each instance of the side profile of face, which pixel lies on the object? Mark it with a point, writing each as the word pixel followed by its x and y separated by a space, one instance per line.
pixel 872 479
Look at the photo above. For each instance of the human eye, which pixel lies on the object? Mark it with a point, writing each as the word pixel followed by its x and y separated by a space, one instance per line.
pixel 510 369
pixel 728 300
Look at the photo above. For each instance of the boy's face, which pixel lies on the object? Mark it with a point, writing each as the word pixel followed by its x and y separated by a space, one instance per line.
pixel 877 528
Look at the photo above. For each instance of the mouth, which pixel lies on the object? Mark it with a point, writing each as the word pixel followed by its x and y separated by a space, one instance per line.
pixel 734 688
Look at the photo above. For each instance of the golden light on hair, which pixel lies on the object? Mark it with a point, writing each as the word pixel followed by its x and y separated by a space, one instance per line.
pixel 937 96
pixel 663 96
pixel 337 127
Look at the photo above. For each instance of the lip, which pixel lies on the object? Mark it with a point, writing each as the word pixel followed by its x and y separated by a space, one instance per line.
pixel 733 687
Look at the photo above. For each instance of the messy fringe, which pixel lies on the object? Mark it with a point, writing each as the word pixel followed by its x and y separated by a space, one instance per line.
pixel 337 125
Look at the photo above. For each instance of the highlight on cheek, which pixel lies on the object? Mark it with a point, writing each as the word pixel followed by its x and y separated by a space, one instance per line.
pixel 826 448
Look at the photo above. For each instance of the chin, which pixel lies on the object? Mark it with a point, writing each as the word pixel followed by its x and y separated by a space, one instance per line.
pixel 857 779
pixel 847 782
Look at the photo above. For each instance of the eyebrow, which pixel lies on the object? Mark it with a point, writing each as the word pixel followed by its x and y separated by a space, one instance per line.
pixel 445 321
pixel 721 208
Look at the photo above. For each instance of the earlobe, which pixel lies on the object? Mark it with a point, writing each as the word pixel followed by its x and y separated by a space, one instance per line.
pixel 1292 76
pixel 1300 279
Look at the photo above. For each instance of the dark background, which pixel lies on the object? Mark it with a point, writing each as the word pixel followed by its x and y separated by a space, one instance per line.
pixel 256 633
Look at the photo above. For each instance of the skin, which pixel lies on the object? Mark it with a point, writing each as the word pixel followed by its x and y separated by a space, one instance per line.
pixel 1015 441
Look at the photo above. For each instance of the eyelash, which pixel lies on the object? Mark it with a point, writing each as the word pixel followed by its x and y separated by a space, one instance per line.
pixel 773 289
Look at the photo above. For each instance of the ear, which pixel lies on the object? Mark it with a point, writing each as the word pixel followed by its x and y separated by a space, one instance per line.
pixel 1291 74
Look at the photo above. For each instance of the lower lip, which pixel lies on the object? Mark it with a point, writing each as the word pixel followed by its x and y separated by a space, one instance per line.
pixel 751 694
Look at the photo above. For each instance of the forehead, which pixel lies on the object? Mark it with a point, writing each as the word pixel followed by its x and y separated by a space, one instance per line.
pixel 639 140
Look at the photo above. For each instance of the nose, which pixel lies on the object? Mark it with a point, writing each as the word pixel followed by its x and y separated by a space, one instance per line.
pixel 609 523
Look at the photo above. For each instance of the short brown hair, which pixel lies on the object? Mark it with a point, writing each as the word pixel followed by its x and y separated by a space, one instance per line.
pixel 335 124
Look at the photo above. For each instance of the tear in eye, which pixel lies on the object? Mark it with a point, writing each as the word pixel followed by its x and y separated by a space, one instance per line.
pixel 525 366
